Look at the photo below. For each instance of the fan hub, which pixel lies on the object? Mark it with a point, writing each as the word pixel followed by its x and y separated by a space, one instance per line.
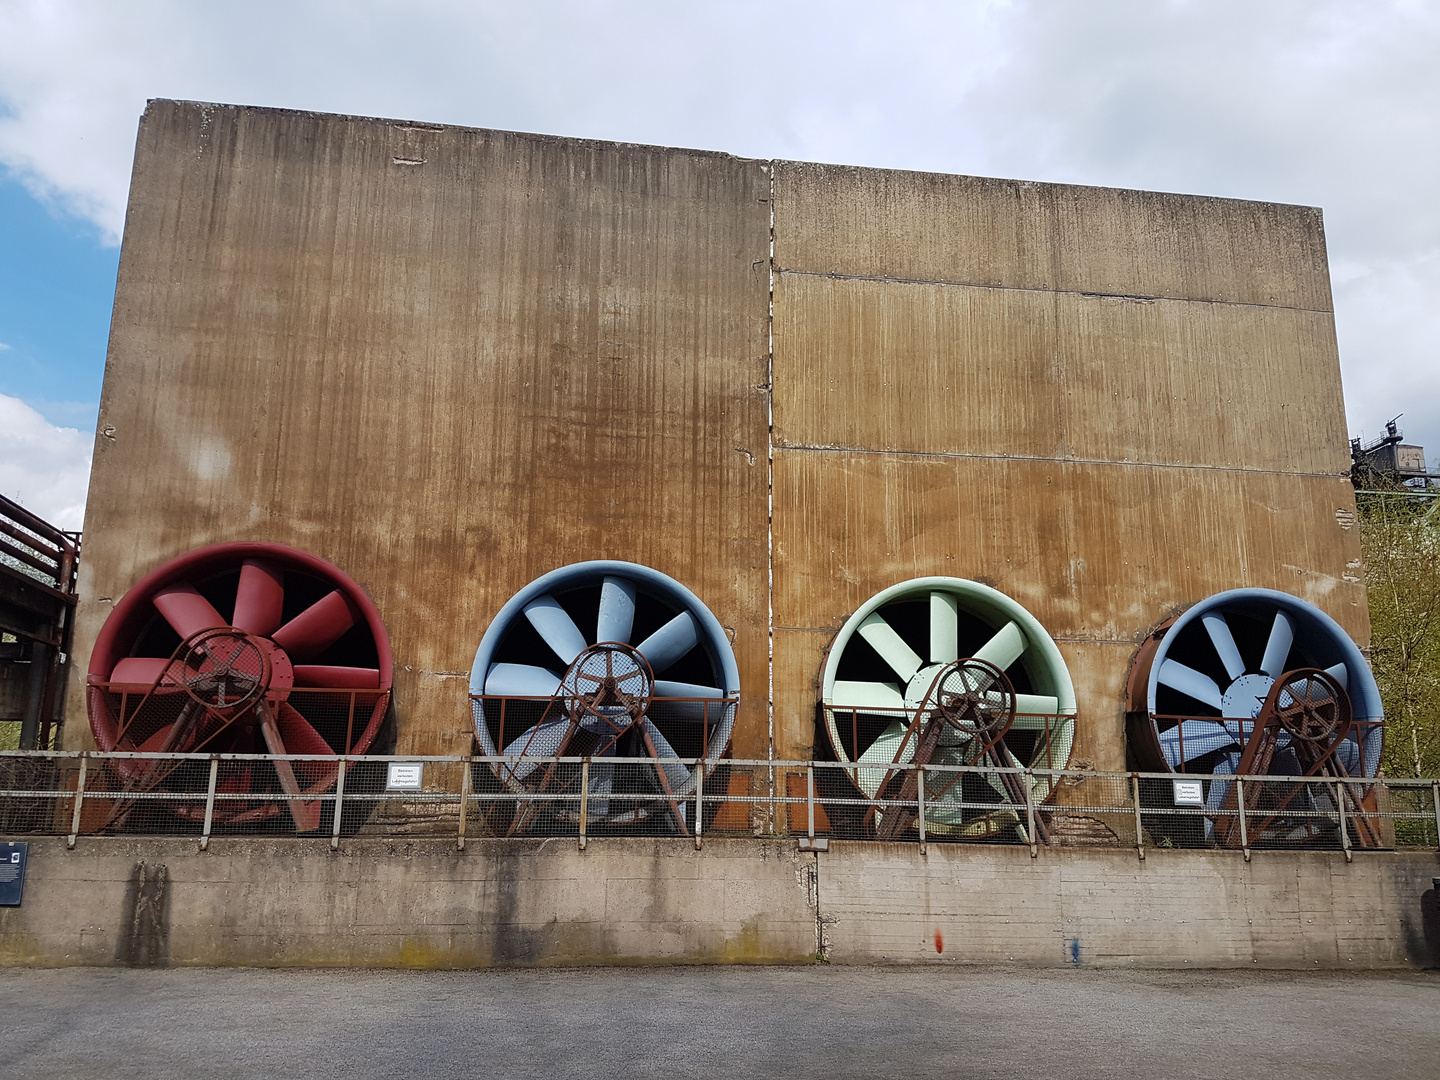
pixel 608 688
pixel 227 671
pixel 919 685
pixel 1244 697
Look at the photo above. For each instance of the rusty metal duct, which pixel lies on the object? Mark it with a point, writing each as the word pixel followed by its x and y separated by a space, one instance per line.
pixel 605 660
pixel 947 671
pixel 1257 682
pixel 239 648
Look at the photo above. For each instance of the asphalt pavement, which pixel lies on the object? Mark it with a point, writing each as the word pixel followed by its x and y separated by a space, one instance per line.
pixel 828 1022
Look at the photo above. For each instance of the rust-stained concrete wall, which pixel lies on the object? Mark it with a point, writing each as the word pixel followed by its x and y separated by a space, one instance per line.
pixel 421 903
pixel 449 360
pixel 1108 404
pixel 446 360
pixel 412 903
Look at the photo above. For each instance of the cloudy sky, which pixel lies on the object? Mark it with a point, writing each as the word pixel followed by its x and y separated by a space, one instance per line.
pixel 1326 103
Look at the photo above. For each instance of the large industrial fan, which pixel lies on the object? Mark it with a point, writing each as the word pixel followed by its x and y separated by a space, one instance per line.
pixel 1258 682
pixel 603 660
pixel 946 671
pixel 239 648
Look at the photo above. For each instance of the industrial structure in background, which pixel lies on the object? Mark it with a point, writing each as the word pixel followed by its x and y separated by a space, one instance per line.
pixel 703 457
pixel 38 566
pixel 1388 461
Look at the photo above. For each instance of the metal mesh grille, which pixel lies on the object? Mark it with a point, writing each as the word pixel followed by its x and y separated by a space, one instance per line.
pixel 205 795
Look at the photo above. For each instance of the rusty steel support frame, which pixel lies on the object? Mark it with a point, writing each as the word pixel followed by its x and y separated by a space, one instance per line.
pixel 38 570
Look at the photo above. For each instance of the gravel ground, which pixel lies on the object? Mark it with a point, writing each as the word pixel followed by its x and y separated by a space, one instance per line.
pixel 825 1022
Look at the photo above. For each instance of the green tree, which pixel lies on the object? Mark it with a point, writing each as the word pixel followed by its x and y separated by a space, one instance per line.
pixel 1400 538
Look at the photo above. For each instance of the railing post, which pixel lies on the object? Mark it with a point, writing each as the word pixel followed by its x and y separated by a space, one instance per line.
pixel 210 802
pixel 339 806
pixel 699 800
pixel 920 803
pixel 1139 823
pixel 79 800
pixel 1344 824
pixel 1030 814
pixel 584 799
pixel 810 801
pixel 465 781
pixel 1435 795
pixel 772 795
pixel 1244 828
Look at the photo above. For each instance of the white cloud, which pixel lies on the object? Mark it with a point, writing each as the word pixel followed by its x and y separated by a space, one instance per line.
pixel 44 468
pixel 1324 102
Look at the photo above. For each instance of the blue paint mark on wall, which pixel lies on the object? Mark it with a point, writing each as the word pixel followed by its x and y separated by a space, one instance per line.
pixel 1074 944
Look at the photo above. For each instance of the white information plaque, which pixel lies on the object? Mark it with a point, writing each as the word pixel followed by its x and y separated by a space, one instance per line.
pixel 1189 793
pixel 405 776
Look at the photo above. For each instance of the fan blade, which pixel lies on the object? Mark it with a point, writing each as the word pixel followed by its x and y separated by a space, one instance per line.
pixel 602 780
pixel 1282 635
pixel 540 741
pixel 1200 737
pixel 553 623
pixel 260 598
pixel 335 677
pixel 883 749
pixel 693 711
pixel 672 641
pixel 186 610
pixel 944 628
pixel 1191 683
pixel 316 628
pixel 302 738
pixel 305 812
pixel 1033 712
pixel 1007 646
pixel 891 646
pixel 617 611
pixel 138 673
pixel 882 753
pixel 861 696
pixel 520 680
pixel 1339 672
pixel 156 743
pixel 1224 642
pixel 675 773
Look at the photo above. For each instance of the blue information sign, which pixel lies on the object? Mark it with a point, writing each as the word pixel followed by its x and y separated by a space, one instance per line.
pixel 12 873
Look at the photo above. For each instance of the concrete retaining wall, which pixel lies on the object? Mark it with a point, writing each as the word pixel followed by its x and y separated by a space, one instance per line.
pixel 890 903
pixel 380 903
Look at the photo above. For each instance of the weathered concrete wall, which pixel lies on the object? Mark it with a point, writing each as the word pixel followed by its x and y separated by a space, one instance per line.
pixel 412 904
pixel 961 904
pixel 1108 404
pixel 448 361
pixel 380 903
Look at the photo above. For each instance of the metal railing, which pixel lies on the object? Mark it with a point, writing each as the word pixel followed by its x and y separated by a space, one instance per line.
pixel 94 793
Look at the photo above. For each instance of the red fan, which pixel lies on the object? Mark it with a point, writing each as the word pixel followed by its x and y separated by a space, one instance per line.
pixel 241 648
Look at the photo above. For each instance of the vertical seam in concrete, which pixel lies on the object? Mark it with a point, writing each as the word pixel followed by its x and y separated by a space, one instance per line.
pixel 770 501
